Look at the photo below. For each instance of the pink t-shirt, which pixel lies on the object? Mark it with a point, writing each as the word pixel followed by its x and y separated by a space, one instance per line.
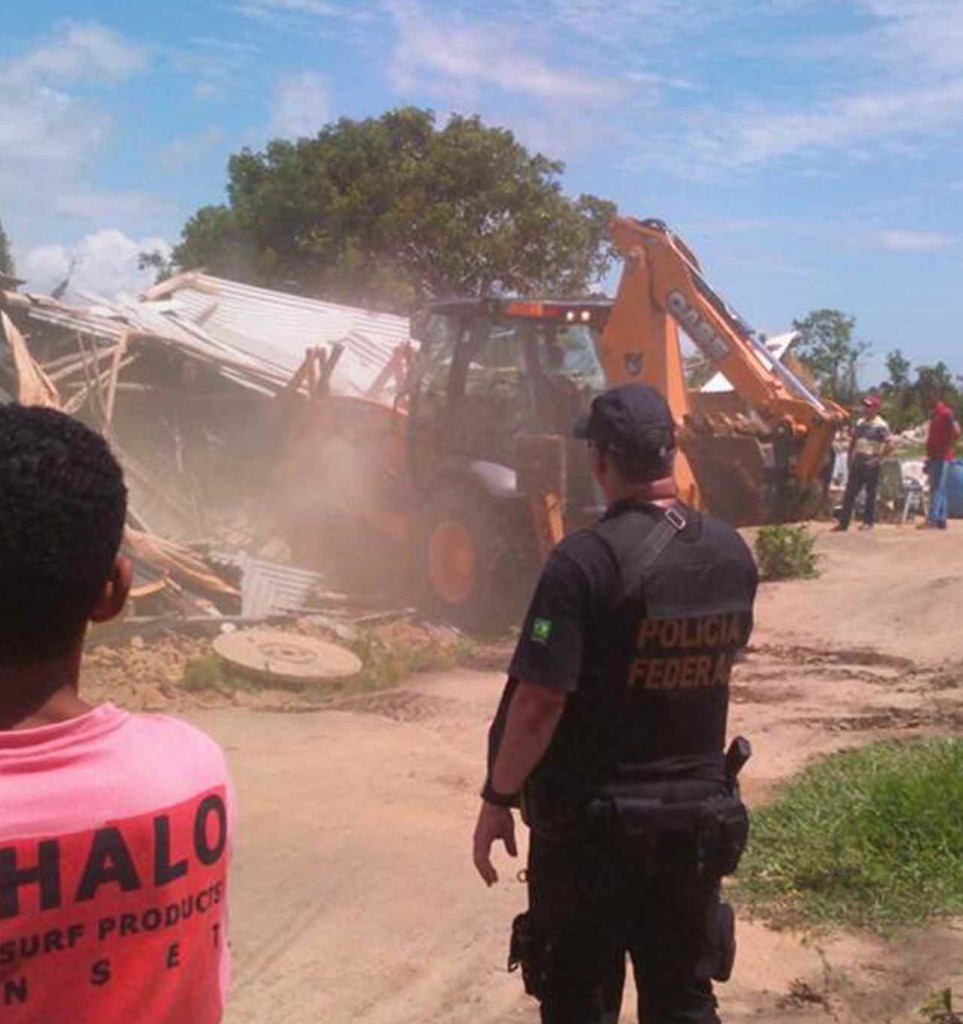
pixel 115 836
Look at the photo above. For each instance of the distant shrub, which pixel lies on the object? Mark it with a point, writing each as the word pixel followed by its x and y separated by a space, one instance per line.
pixel 786 553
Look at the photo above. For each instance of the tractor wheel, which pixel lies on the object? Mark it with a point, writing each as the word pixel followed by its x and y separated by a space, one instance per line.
pixel 477 560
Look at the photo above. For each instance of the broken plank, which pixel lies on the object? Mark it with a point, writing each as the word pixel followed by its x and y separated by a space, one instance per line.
pixel 115 367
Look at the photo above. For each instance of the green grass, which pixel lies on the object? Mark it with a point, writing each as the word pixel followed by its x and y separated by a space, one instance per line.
pixel 205 673
pixel 209 672
pixel 871 837
pixel 387 663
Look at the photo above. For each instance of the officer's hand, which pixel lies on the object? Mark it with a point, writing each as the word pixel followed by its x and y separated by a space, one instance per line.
pixel 493 823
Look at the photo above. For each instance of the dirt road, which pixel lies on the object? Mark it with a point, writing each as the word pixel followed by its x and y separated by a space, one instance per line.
pixel 354 897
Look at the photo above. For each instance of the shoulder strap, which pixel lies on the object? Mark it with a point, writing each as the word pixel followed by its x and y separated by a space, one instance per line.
pixel 661 535
pixel 633 555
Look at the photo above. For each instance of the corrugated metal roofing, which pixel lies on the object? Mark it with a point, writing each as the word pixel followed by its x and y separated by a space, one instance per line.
pixel 250 328
pixel 270 589
pixel 275 329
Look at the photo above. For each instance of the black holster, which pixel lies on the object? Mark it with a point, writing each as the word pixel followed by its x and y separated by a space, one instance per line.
pixel 723 833
pixel 719 953
pixel 527 952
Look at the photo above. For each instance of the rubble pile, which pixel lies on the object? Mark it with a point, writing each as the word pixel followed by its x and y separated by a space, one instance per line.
pixel 200 384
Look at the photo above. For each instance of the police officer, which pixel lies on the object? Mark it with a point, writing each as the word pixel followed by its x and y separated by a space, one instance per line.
pixel 610 735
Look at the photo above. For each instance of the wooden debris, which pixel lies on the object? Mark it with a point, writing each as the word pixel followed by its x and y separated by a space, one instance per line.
pixel 115 368
pixel 287 657
pixel 396 368
pixel 34 387
pixel 178 561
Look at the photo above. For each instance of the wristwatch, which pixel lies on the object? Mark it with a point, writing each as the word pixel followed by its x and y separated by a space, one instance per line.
pixel 491 796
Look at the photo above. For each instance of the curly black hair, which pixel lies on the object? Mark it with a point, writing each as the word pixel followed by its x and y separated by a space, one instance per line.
pixel 63 503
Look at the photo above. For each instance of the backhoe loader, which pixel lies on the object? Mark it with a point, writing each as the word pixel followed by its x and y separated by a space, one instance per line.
pixel 477 473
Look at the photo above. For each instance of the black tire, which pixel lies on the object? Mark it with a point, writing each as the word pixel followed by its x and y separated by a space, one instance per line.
pixel 490 595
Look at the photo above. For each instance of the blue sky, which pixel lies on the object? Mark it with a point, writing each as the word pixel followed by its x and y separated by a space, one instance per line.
pixel 809 151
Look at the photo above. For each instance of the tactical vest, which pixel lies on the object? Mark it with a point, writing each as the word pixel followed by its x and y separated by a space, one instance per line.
pixel 653 695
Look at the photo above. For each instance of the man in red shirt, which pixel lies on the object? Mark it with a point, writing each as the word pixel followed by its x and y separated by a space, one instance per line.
pixel 944 430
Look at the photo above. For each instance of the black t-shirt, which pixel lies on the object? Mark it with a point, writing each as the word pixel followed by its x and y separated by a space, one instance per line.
pixel 644 653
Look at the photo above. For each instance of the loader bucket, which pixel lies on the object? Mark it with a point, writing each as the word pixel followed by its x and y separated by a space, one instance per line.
pixel 732 474
pixel 743 481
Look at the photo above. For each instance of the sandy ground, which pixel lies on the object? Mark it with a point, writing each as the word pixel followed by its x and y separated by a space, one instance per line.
pixel 354 898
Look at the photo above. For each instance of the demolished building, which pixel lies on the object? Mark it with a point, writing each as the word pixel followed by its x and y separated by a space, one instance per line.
pixel 199 370
pixel 201 384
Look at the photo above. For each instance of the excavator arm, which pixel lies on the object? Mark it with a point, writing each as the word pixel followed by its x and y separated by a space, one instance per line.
pixel 662 288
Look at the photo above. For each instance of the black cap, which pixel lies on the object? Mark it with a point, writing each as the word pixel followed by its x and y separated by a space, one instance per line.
pixel 633 419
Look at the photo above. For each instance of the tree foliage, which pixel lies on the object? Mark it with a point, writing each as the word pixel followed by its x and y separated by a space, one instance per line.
pixel 905 396
pixel 830 352
pixel 153 259
pixel 389 210
pixel 898 367
pixel 6 258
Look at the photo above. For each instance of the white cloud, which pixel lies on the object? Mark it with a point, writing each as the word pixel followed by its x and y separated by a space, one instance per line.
pixel 282 12
pixel 41 121
pixel 217 65
pixel 457 53
pixel 207 90
pixel 915 241
pixel 921 33
pixel 93 205
pixel 52 127
pixel 631 27
pixel 79 53
pixel 622 25
pixel 920 99
pixel 755 137
pixel 103 265
pixel 183 152
pixel 302 104
pixel 318 8
pixel 650 78
pixel 41 125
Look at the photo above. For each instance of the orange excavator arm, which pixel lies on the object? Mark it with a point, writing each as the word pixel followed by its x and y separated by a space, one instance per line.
pixel 662 289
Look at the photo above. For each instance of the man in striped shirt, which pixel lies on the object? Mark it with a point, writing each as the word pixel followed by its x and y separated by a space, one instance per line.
pixel 871 442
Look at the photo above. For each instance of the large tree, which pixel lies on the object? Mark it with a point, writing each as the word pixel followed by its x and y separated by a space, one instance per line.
pixel 904 396
pixel 389 210
pixel 827 348
pixel 6 258
pixel 936 380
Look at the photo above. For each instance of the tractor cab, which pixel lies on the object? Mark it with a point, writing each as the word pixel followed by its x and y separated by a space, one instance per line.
pixel 496 388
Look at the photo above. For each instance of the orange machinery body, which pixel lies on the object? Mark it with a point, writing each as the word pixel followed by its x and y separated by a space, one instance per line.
pixel 347 501
pixel 661 290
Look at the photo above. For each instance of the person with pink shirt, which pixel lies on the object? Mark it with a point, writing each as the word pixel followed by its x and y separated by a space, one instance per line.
pixel 115 829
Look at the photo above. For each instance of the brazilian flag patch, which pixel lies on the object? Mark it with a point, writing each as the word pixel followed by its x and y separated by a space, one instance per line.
pixel 541 630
